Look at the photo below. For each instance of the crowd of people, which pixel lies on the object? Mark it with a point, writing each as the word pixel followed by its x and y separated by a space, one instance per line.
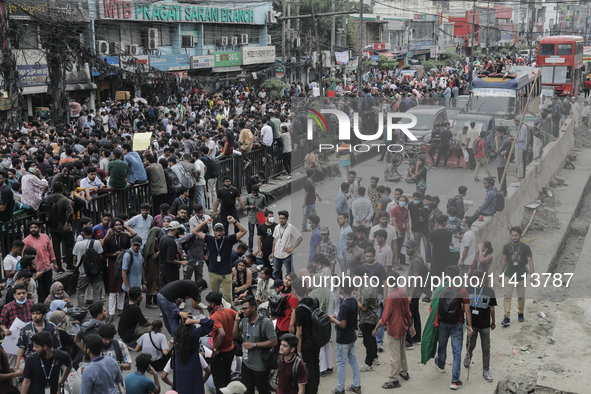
pixel 259 325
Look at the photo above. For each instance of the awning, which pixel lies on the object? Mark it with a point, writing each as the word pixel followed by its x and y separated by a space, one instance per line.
pixel 80 86
pixel 388 54
pixel 34 89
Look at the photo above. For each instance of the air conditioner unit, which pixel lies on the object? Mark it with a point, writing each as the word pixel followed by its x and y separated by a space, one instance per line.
pixel 244 39
pixel 117 47
pixel 102 47
pixel 379 18
pixel 153 38
pixel 234 40
pixel 133 50
pixel 269 41
pixel 224 41
pixel 188 41
pixel 297 42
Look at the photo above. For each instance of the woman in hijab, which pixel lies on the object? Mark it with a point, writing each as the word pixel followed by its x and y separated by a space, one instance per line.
pixel 152 266
pixel 60 319
pixel 57 293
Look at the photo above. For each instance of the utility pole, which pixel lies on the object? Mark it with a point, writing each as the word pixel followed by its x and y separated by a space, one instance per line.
pixel 360 69
pixel 318 53
pixel 289 42
pixel 532 17
pixel 283 35
pixel 332 32
pixel 473 40
pixel 344 39
pixel 9 73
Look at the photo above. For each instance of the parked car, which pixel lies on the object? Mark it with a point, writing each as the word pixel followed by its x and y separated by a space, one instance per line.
pixel 427 117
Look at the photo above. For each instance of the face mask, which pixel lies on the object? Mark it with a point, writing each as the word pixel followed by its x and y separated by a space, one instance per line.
pixel 416 201
pixel 452 218
pixel 309 226
pixel 32 170
pixel 20 302
pixel 425 206
pixel 59 295
pixel 271 219
pixel 402 204
pixel 462 227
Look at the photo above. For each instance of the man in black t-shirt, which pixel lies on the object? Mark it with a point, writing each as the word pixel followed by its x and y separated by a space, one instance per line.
pixel 482 306
pixel 440 240
pixel 133 323
pixel 170 258
pixel 180 289
pixel 435 140
pixel 6 199
pixel 421 176
pixel 227 196
pixel 265 239
pixel 43 368
pixel 446 136
pixel 310 195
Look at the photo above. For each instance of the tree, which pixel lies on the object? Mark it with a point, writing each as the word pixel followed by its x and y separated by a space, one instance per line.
pixel 274 87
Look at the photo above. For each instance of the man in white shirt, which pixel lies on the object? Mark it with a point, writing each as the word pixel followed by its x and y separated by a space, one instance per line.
pixel 286 239
pixel 200 177
pixel 576 110
pixel 267 134
pixel 468 246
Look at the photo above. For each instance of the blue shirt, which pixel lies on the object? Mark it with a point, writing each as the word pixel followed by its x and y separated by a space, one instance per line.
pixel 314 242
pixel 137 172
pixel 341 203
pixel 101 376
pixel 522 138
pixel 138 383
pixel 99 229
pixel 134 274
pixel 489 205
pixel 141 226
pixel 343 239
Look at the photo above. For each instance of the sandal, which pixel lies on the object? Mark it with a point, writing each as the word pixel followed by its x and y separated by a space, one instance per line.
pixel 391 385
pixel 405 377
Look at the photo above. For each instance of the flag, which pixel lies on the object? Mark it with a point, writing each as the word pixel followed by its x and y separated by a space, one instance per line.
pixel 330 91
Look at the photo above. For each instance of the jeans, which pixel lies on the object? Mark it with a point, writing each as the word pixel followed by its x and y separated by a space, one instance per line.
pixel 201 195
pixel 83 283
pixel 484 343
pixel 287 162
pixel 371 346
pixel 221 369
pixel 500 171
pixel 416 318
pixel 211 193
pixel 252 229
pixel 311 358
pixel 252 379
pixel 278 265
pixel 481 161
pixel 520 164
pixel 44 285
pixel 418 236
pixel 57 236
pixel 224 220
pixel 380 332
pixel 166 307
pixel 347 352
pixel 455 331
pixel 442 152
pixel 309 210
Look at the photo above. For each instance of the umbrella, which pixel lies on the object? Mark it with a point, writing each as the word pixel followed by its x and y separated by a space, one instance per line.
pixel 140 100
pixel 75 108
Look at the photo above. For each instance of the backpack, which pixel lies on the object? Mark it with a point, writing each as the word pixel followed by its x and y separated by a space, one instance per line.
pixel 278 305
pixel 451 202
pixel 188 179
pixel 475 146
pixel 450 306
pixel 321 324
pixel 91 261
pixel 500 202
pixel 172 181
pixel 119 263
pixel 51 213
pixel 269 355
pixel 213 170
pixel 274 378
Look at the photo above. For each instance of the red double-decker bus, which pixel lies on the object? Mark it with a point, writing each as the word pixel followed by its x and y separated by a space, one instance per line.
pixel 561 61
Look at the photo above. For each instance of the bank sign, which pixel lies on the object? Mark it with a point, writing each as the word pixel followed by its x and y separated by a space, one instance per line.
pixel 170 12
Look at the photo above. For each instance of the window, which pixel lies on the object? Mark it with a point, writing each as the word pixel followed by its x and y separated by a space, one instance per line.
pixel 564 49
pixel 546 49
pixel 28 36
pixel 165 36
pixel 108 33
pixel 562 74
pixel 214 32
pixel 579 48
pixel 547 74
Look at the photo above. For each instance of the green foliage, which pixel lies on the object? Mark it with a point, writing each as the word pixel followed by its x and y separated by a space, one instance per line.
pixel 330 80
pixel 274 87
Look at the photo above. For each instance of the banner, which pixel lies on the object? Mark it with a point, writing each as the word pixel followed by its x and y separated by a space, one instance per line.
pixel 342 57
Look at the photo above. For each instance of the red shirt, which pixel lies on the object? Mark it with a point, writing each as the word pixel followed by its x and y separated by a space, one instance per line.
pixel 401 216
pixel 587 84
pixel 479 154
pixel 283 321
pixel 285 378
pixel 396 313
pixel 223 318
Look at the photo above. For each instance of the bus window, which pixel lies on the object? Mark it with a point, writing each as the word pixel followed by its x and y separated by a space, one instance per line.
pixel 547 74
pixel 562 74
pixel 546 49
pixel 564 49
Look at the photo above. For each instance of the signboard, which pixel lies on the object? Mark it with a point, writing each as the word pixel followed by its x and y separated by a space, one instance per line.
pixel 181 74
pixel 258 55
pixel 49 10
pixel 32 75
pixel 224 59
pixel 226 69
pixel 353 64
pixel 112 60
pixel 554 59
pixel 493 92
pixel 201 62
pixel 130 63
pixel 375 58
pixel 379 46
pixel 279 71
pixel 367 53
pixel 409 54
pixel 174 13
pixel 170 62
pixel 342 57
pixel 424 18
pixel 433 52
